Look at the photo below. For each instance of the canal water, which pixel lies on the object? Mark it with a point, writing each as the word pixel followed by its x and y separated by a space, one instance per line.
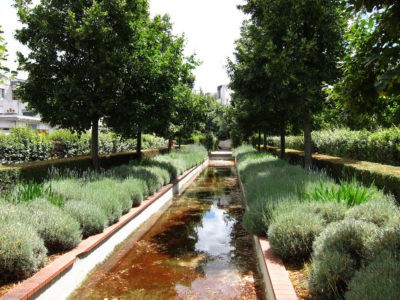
pixel 197 249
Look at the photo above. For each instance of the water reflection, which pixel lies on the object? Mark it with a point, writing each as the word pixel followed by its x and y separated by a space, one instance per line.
pixel 197 250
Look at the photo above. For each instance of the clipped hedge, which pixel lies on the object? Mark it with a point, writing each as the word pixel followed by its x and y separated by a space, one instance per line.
pixel 381 146
pixel 23 144
pixel 384 177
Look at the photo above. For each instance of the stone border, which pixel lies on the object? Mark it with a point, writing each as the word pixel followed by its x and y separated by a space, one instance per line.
pixel 60 278
pixel 277 284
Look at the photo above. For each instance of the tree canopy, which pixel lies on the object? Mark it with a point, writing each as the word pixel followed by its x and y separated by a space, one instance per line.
pixel 93 60
pixel 3 54
pixel 284 55
pixel 370 86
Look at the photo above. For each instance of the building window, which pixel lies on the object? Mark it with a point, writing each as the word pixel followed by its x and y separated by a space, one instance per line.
pixel 14 95
pixel 28 113
pixel 2 93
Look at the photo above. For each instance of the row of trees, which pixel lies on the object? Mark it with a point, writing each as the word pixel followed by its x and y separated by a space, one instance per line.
pixel 292 52
pixel 3 54
pixel 107 61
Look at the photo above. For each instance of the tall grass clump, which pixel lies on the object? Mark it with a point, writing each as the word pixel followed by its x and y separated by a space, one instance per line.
pixel 350 192
pixel 22 251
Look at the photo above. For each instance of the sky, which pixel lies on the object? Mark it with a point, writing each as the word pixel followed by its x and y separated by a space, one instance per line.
pixel 209 26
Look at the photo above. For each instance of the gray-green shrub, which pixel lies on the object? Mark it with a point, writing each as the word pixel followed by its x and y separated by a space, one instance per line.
pixel 328 211
pixel 291 234
pixel 96 193
pixel 67 188
pixel 338 252
pixel 136 188
pixel 148 175
pixel 91 217
pixel 379 211
pixel 114 189
pixel 22 251
pixel 59 230
pixel 387 240
pixel 379 280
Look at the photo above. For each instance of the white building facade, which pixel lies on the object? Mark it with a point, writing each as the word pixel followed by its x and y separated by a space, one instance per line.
pixel 223 95
pixel 13 112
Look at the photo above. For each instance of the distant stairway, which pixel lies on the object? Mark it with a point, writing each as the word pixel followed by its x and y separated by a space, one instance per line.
pixel 221 158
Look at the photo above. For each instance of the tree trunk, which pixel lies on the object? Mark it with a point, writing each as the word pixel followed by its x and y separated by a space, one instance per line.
pixel 259 140
pixel 307 139
pixel 283 134
pixel 139 144
pixel 179 141
pixel 265 140
pixel 169 145
pixel 95 144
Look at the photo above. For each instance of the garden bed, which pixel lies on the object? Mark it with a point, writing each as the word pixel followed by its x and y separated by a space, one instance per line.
pixel 385 177
pixel 153 168
pixel 342 230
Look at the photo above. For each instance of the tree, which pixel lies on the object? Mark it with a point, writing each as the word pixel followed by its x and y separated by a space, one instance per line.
pixel 370 86
pixel 152 76
pixel 254 101
pixel 192 112
pixel 300 41
pixel 3 54
pixel 79 54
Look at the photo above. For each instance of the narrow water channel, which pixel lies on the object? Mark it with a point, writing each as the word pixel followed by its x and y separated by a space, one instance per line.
pixel 197 249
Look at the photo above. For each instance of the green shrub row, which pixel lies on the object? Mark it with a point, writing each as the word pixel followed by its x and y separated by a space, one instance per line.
pixel 53 216
pixel 42 170
pixel 343 228
pixel 23 144
pixel 382 146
